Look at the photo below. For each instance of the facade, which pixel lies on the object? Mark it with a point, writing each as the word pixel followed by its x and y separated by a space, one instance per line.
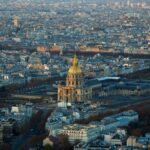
pixel 142 142
pixel 23 109
pixel 75 88
pixel 7 127
pixel 131 141
pixel 80 132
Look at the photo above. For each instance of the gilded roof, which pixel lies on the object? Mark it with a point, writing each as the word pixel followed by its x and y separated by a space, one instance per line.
pixel 75 68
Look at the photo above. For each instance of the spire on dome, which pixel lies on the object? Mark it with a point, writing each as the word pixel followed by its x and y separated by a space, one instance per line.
pixel 75 68
pixel 75 60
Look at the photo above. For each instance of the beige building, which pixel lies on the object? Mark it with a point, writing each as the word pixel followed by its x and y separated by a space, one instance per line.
pixel 75 89
pixel 84 133
pixel 47 141
pixel 138 142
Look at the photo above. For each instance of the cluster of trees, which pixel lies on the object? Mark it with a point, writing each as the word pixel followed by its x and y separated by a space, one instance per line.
pixel 37 122
pixel 60 142
pixel 5 146
pixel 34 141
pixel 3 92
pixel 142 74
pixel 6 91
pixel 48 147
pixel 134 129
pixel 131 55
pixel 143 125
pixel 140 108
pixel 32 123
pixel 96 117
pixel 36 82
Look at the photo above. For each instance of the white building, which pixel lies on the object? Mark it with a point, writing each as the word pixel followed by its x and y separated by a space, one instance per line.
pixel 25 110
pixel 80 132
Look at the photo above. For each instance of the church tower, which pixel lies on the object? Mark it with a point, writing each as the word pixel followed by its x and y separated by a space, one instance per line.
pixel 75 89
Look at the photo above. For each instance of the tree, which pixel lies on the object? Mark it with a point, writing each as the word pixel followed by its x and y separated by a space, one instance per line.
pixel 63 143
pixel 136 132
pixel 41 126
pixel 5 146
pixel 47 147
pixel 25 127
pixel 35 119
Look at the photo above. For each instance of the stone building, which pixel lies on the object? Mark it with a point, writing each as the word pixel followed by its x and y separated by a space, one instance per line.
pixel 75 88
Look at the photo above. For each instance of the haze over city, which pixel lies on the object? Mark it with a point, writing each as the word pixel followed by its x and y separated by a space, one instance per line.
pixel 74 74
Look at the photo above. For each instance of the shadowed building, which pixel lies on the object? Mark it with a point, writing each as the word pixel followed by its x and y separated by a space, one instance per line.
pixel 75 88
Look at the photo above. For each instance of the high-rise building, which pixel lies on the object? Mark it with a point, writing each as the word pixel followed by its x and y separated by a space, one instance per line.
pixel 75 88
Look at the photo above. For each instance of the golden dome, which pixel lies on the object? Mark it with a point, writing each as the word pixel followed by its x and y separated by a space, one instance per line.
pixel 75 69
